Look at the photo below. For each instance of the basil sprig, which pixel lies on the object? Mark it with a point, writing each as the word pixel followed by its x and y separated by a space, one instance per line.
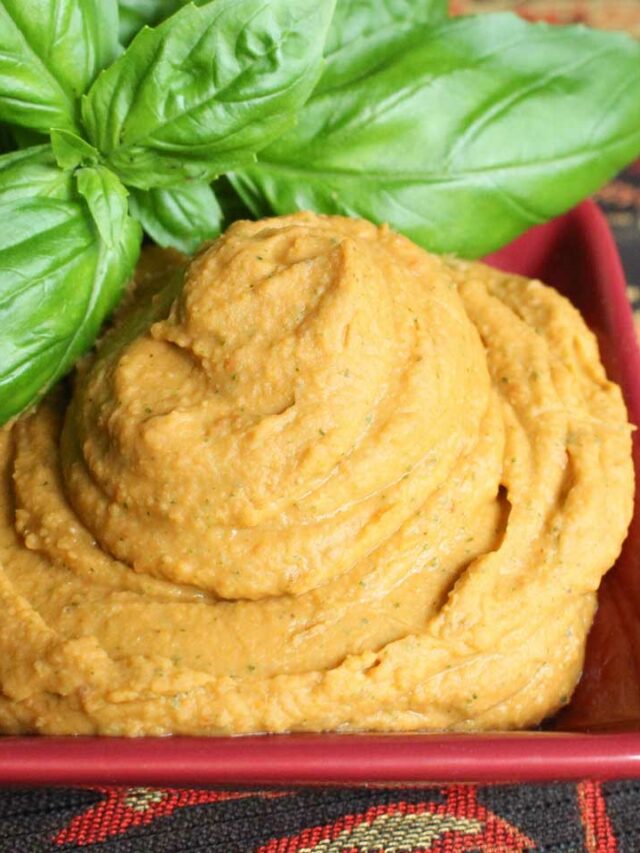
pixel 206 89
pixel 460 133
pixel 185 102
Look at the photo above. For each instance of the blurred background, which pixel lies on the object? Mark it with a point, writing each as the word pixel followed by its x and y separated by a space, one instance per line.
pixel 606 14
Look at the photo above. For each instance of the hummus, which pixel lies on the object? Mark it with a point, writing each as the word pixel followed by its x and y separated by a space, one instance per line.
pixel 316 479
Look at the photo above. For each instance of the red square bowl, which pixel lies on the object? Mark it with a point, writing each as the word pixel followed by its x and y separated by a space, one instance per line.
pixel 598 735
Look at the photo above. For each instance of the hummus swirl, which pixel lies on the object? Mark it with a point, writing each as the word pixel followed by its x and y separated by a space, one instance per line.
pixel 316 479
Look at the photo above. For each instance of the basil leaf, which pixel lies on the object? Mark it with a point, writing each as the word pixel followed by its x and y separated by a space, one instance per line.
pixel 182 217
pixel 71 150
pixel 106 199
pixel 50 51
pixel 204 90
pixel 352 19
pixel 361 29
pixel 135 14
pixel 33 173
pixel 58 281
pixel 464 137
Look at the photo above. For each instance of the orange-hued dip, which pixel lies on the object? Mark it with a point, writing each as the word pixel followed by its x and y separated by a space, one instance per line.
pixel 322 480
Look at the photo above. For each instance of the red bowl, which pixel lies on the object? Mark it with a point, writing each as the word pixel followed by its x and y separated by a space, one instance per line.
pixel 598 735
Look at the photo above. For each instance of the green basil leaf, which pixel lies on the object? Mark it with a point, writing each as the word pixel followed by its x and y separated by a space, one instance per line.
pixel 203 91
pixel 58 282
pixel 50 51
pixel 135 14
pixel 181 217
pixel 71 150
pixel 106 198
pixel 33 173
pixel 464 137
pixel 352 19
pixel 362 29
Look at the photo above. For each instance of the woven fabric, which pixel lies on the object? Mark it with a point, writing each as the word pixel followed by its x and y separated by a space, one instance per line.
pixel 561 818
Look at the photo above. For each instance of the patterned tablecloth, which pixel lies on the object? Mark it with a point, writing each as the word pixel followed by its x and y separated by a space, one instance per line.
pixel 562 818
pixel 501 819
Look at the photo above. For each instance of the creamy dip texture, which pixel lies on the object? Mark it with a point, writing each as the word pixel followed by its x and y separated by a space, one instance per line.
pixel 320 480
